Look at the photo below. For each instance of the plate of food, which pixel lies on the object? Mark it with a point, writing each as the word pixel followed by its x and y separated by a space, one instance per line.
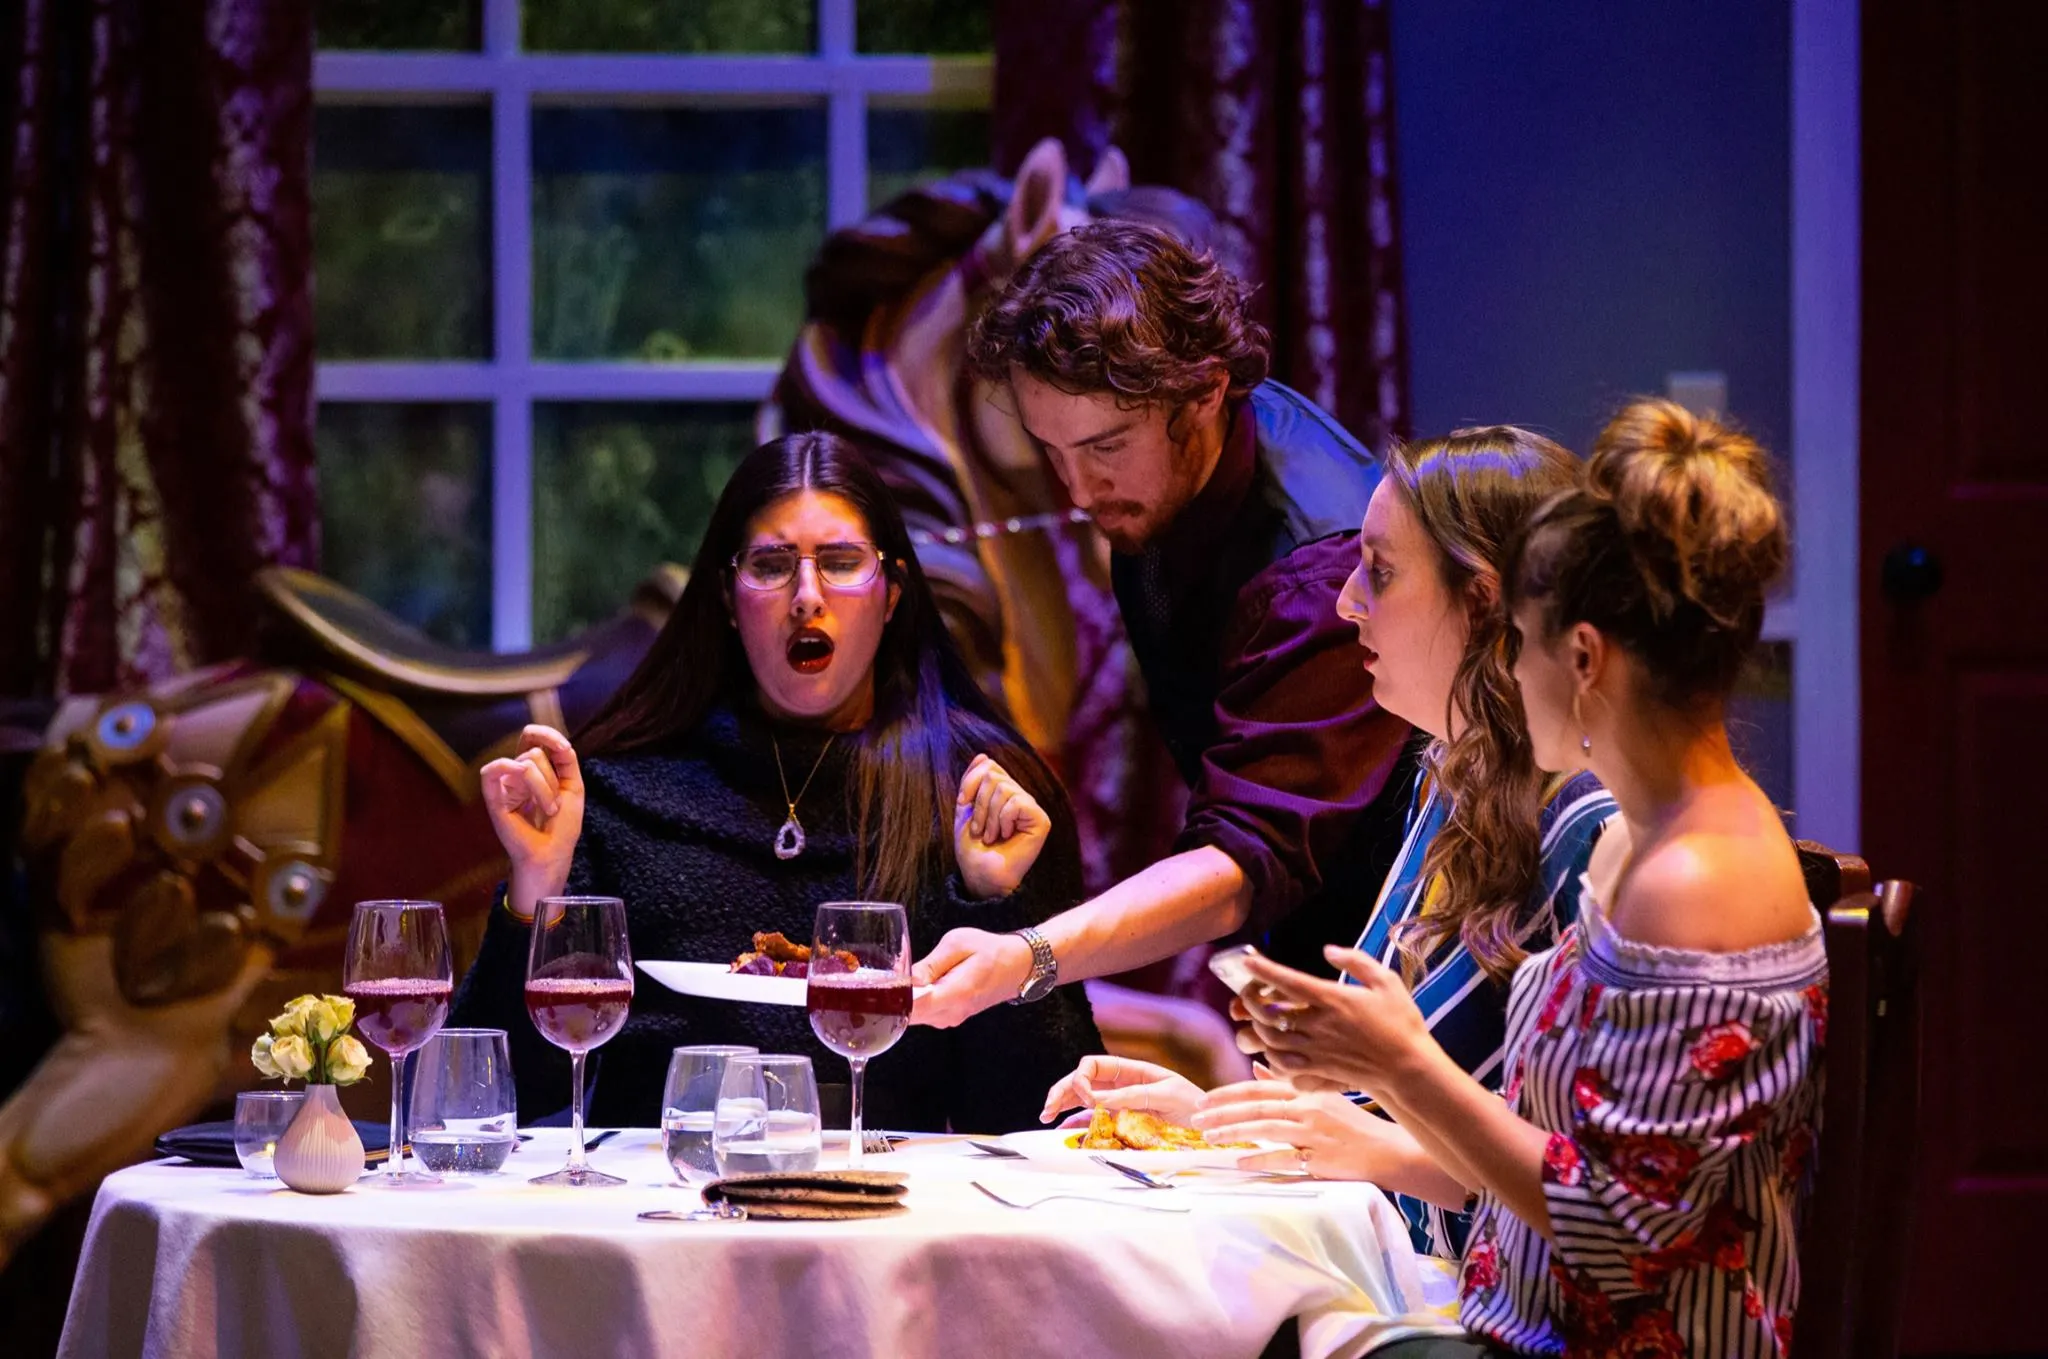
pixel 1133 1137
pixel 773 972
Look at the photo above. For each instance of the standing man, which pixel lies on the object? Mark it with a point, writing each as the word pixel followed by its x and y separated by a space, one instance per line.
pixel 1232 505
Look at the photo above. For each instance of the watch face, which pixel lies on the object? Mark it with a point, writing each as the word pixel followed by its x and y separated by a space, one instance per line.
pixel 1039 987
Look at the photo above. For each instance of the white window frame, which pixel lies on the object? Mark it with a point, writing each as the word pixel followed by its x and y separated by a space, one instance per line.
pixel 513 83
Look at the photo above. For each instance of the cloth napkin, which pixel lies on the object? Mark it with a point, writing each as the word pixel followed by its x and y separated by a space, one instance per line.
pixel 213 1144
pixel 813 1196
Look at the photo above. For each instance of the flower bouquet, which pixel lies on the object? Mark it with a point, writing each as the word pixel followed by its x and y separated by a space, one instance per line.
pixel 320 1153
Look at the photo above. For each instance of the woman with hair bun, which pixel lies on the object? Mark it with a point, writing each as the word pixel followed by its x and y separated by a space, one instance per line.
pixel 1640 1183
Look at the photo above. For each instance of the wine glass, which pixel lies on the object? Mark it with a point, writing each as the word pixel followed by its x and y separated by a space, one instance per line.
pixel 688 1101
pixel 859 988
pixel 399 975
pixel 579 984
pixel 464 1113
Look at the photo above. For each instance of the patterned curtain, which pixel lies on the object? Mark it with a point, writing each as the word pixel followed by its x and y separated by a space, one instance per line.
pixel 1277 114
pixel 156 355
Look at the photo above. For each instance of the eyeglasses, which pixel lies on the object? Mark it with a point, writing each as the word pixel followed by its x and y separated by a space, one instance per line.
pixel 842 566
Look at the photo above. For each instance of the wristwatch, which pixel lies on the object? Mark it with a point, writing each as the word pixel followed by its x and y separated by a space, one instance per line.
pixel 1045 969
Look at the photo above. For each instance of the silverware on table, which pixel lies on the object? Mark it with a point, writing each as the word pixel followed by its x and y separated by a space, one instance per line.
pixel 721 1211
pixel 1083 1198
pixel 996 1149
pixel 1132 1173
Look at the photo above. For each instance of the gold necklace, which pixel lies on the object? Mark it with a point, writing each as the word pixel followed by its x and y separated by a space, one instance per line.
pixel 789 841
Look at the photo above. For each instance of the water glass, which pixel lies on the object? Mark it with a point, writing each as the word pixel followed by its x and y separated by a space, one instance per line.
pixel 767 1115
pixel 465 1115
pixel 688 1102
pixel 261 1116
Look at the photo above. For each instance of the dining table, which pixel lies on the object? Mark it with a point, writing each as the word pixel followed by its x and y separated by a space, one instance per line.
pixel 993 1255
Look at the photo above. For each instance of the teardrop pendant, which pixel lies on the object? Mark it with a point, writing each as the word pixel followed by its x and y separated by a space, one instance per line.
pixel 789 841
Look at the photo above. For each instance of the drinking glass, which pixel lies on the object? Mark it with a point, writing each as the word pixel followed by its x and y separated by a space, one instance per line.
pixel 858 992
pixel 579 985
pixel 261 1116
pixel 688 1102
pixel 464 1114
pixel 398 973
pixel 767 1115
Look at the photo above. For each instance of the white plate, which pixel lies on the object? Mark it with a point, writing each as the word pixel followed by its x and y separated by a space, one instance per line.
pixel 1049 1145
pixel 717 981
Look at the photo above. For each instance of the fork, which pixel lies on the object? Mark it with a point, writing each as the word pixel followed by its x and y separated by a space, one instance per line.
pixel 1084 1198
pixel 874 1142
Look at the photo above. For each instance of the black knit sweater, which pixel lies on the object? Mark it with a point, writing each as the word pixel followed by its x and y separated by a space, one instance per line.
pixel 686 838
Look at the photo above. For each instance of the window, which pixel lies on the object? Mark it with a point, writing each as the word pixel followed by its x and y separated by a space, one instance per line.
pixel 559 252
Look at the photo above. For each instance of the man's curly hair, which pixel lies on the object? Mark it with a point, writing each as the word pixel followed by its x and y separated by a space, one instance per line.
pixel 1122 307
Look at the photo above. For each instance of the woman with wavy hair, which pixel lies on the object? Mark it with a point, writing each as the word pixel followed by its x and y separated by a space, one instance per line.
pixel 1641 1185
pixel 1489 868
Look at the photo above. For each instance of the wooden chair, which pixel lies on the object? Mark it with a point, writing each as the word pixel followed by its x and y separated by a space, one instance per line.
pixel 1853 1251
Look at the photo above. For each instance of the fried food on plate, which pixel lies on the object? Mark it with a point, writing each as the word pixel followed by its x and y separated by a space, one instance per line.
pixel 1142 1130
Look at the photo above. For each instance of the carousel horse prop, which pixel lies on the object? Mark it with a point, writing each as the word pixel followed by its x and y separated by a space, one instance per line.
pixel 195 849
pixel 1022 577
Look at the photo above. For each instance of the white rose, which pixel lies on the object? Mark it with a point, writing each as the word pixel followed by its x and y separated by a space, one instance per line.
pixel 344 1012
pixel 266 1065
pixel 347 1060
pixel 292 1023
pixel 294 1057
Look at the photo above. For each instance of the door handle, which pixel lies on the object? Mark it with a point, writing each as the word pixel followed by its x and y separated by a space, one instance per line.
pixel 1910 573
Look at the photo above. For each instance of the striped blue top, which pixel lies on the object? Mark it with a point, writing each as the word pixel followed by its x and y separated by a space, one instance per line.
pixel 1466 1012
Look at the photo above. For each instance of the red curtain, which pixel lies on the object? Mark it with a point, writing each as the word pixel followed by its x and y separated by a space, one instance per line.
pixel 1278 115
pixel 156 359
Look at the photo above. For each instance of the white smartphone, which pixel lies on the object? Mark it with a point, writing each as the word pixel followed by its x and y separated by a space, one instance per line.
pixel 1230 969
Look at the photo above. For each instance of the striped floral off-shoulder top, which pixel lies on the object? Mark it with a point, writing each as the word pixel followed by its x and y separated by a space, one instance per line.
pixel 1682 1092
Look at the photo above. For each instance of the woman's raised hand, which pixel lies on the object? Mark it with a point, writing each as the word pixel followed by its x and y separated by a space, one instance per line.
pixel 536 804
pixel 998 830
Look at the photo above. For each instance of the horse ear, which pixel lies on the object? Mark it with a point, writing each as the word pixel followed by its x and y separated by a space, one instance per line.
pixel 1112 173
pixel 1033 217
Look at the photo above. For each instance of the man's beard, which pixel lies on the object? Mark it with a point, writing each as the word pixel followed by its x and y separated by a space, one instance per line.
pixel 1142 524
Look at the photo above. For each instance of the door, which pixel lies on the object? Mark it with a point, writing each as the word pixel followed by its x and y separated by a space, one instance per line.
pixel 1954 594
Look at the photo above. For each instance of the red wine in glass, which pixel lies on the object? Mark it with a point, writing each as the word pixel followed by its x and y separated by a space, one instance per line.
pixel 579 987
pixel 578 1013
pixel 858 1016
pixel 399 974
pixel 858 990
pixel 399 1014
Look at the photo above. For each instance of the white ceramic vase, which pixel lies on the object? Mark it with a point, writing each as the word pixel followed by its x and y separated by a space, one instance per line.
pixel 320 1153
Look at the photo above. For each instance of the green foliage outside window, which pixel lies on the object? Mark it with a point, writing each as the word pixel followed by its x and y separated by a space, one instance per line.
pixel 619 489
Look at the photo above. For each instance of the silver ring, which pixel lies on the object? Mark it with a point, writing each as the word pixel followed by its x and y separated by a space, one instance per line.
pixel 1283 1024
pixel 1301 1158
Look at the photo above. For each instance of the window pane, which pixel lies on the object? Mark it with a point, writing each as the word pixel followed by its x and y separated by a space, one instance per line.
pixel 670 25
pixel 405 511
pixel 673 233
pixel 907 146
pixel 399 25
pixel 940 26
pixel 1760 720
pixel 401 232
pixel 619 489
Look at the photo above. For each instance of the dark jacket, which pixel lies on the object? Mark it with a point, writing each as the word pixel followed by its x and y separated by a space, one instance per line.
pixel 1257 685
pixel 686 838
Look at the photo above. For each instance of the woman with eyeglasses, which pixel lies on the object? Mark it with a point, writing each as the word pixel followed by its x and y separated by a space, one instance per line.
pixel 802 730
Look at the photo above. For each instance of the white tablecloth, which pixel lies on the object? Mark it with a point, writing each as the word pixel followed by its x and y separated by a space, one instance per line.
pixel 187 1261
